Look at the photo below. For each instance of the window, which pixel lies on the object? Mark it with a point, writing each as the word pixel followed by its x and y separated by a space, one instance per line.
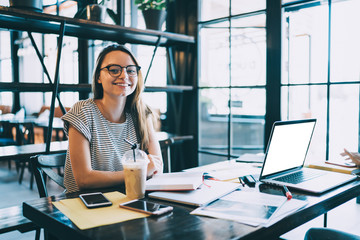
pixel 232 79
pixel 321 74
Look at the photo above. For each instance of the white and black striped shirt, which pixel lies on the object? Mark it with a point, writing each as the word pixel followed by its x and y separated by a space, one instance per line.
pixel 106 138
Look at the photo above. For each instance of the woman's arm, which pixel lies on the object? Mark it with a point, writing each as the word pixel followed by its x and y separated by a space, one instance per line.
pixel 156 162
pixel 80 158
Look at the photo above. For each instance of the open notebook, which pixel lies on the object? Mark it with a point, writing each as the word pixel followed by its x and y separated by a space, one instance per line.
pixel 206 193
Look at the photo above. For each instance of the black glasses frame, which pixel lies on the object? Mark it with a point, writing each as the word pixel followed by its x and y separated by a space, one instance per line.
pixel 121 69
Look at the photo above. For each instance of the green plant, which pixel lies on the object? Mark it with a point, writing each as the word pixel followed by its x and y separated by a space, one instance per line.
pixel 151 4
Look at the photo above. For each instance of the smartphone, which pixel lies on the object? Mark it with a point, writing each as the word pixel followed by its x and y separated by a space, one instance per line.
pixel 94 200
pixel 147 207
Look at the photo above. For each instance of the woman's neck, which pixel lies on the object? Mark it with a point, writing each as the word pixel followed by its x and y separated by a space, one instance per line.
pixel 112 110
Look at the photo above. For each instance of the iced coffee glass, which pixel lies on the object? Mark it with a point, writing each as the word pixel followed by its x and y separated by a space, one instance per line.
pixel 135 168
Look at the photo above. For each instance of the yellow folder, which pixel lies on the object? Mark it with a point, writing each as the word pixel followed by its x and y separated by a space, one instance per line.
pixel 85 218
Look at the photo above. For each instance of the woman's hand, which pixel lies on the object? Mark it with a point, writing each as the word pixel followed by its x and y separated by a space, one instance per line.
pixel 155 165
pixel 354 156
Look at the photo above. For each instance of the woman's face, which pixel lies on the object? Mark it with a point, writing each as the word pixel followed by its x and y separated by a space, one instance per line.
pixel 115 80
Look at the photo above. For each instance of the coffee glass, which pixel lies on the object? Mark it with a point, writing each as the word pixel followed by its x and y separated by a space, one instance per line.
pixel 135 173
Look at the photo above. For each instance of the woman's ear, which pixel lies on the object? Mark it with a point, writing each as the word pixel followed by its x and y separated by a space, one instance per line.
pixel 99 81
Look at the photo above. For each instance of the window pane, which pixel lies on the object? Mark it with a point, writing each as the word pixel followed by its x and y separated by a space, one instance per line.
pixel 299 102
pixel 214 50
pixel 213 120
pixel 157 74
pixel 31 101
pixel 205 159
pixel 6 74
pixel 31 69
pixel 248 111
pixel 344 119
pixel 248 51
pixel 6 98
pixel 305 45
pixel 244 6
pixel 345 38
pixel 212 9
pixel 68 99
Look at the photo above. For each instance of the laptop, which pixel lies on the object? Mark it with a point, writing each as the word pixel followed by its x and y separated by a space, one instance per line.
pixel 285 157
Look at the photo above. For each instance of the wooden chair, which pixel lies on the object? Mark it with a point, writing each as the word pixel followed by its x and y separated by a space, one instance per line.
pixel 43 166
pixel 12 219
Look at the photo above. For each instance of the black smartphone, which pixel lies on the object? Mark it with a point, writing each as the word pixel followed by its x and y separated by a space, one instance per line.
pixel 94 200
pixel 147 207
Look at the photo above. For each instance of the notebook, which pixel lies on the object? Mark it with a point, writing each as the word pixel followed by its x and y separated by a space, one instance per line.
pixel 178 181
pixel 206 193
pixel 285 157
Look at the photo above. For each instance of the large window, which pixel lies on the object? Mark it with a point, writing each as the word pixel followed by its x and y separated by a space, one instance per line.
pixel 320 78
pixel 320 75
pixel 232 42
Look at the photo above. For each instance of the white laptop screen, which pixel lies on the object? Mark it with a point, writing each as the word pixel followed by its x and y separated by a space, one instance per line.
pixel 288 146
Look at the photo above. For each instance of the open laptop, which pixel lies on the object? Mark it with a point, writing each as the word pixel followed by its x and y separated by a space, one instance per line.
pixel 285 156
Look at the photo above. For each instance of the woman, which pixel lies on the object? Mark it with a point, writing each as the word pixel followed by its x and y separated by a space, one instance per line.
pixel 96 128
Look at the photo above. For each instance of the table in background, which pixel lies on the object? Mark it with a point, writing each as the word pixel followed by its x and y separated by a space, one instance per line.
pixel 26 151
pixel 181 225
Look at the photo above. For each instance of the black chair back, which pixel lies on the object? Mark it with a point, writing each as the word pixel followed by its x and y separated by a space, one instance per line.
pixel 43 166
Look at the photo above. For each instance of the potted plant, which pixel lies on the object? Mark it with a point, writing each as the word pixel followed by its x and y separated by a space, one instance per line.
pixel 34 5
pixel 154 12
pixel 95 10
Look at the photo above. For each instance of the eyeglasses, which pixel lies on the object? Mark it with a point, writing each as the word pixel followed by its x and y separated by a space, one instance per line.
pixel 116 70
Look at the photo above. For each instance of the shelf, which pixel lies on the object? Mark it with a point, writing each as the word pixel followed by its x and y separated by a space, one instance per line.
pixel 23 20
pixel 47 87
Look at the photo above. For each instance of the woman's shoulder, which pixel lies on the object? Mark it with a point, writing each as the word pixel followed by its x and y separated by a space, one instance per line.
pixel 83 105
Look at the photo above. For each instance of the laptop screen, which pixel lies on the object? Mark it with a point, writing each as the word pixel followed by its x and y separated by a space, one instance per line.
pixel 288 145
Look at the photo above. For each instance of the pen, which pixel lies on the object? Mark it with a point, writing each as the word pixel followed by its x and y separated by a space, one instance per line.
pixel 242 182
pixel 287 192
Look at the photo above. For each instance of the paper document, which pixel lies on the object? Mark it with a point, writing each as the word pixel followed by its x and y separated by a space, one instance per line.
pixel 227 170
pixel 251 208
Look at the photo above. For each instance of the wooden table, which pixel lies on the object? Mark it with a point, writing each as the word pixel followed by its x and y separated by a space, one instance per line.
pixel 181 225
pixel 26 151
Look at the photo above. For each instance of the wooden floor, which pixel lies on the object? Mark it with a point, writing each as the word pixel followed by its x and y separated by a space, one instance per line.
pixel 346 217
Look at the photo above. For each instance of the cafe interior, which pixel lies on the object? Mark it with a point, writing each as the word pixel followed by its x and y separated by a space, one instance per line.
pixel 217 73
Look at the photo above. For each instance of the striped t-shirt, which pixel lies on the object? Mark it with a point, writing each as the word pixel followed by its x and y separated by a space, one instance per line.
pixel 106 138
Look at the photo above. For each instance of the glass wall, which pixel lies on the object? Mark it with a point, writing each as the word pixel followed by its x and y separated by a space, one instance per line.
pixel 232 43
pixel 321 74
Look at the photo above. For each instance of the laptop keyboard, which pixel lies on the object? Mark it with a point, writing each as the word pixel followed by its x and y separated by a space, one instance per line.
pixel 298 177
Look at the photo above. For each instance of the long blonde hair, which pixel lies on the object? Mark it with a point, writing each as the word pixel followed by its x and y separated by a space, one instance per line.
pixel 134 103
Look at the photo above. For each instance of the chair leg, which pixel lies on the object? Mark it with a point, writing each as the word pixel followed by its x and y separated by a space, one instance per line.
pixel 22 166
pixel 9 164
pixel 31 179
pixel 37 234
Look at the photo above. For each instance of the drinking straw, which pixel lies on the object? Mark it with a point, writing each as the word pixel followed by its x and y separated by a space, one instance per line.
pixel 133 147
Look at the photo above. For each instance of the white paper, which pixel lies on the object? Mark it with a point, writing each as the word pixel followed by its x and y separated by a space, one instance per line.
pixel 251 208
